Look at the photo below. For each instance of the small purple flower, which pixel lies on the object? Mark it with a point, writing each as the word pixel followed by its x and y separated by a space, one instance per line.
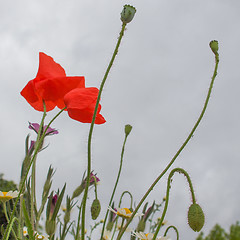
pixel 53 204
pixel 93 178
pixel 35 127
pixel 30 150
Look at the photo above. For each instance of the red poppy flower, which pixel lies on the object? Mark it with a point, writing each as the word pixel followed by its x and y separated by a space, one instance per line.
pixel 80 103
pixel 50 85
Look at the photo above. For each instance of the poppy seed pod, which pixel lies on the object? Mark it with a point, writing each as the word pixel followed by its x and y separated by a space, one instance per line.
pixel 196 217
pixel 128 129
pixel 127 13
pixel 95 209
pixel 214 46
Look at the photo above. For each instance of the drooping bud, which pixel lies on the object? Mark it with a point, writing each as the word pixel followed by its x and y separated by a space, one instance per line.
pixel 214 46
pixel 127 14
pixel 95 209
pixel 128 129
pixel 196 217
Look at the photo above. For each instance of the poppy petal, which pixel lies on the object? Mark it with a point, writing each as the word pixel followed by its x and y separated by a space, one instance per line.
pixel 48 68
pixel 81 103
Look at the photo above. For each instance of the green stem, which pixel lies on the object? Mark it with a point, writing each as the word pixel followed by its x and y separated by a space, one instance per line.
pixel 6 216
pixel 179 170
pixel 115 186
pixel 91 129
pixel 78 223
pixel 179 151
pixel 5 211
pixel 38 144
pixel 165 233
pixel 131 197
pixel 33 176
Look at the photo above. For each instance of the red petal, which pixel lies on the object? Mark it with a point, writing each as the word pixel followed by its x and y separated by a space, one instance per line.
pixel 81 104
pixel 48 68
pixel 81 98
pixel 85 116
pixel 55 88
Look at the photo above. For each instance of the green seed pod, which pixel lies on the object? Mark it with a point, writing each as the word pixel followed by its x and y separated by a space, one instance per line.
pixel 128 129
pixel 195 217
pixel 127 13
pixel 95 208
pixel 214 46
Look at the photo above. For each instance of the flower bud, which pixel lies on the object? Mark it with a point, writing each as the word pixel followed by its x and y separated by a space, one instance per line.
pixel 127 14
pixel 128 129
pixel 50 227
pixel 110 226
pixel 67 216
pixel 78 191
pixel 141 226
pixel 214 46
pixel 195 217
pixel 95 208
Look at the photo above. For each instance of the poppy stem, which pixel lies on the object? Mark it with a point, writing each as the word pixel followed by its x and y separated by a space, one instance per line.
pixel 91 129
pixel 179 170
pixel 179 150
pixel 115 186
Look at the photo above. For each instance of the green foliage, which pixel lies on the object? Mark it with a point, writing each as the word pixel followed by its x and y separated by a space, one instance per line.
pixel 5 186
pixel 218 233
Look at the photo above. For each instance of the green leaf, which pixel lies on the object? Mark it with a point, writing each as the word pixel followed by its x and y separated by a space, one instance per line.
pixel 28 222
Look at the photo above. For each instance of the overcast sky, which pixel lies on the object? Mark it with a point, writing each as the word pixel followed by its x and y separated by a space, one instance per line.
pixel 158 84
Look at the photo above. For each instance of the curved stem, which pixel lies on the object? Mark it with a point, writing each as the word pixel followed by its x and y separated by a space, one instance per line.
pixel 131 197
pixel 180 149
pixel 165 233
pixel 179 170
pixel 91 129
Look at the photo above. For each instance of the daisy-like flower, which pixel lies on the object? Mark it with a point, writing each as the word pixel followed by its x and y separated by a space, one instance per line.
pixel 5 196
pixel 37 235
pixel 41 237
pixel 124 212
pixel 148 236
pixel 25 231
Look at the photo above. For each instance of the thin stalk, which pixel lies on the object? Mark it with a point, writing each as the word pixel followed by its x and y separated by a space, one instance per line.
pixel 6 216
pixel 91 130
pixel 179 151
pixel 115 186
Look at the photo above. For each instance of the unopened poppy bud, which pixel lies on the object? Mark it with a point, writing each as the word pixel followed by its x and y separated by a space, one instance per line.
pixel 195 217
pixel 214 46
pixel 50 227
pixel 128 129
pixel 127 13
pixel 95 208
